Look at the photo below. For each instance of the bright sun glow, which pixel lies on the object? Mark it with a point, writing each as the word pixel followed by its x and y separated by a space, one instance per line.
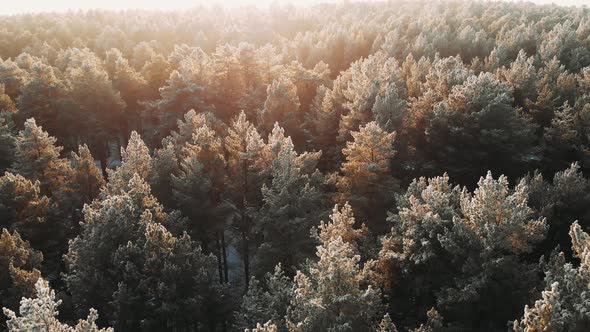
pixel 24 6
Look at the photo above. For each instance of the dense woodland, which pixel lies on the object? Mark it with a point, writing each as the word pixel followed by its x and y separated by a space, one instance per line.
pixel 388 166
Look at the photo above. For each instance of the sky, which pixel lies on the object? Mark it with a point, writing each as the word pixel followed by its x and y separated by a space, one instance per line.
pixel 24 6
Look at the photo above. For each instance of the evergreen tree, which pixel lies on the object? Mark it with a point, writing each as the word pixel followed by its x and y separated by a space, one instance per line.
pixel 492 134
pixel 291 206
pixel 386 325
pixel 23 207
pixel 7 141
pixel 12 77
pixel 473 242
pixel 266 301
pixel 365 179
pixel 124 273
pixel 244 150
pixel 86 176
pixel 321 127
pixel 267 327
pixel 282 106
pixel 133 89
pixel 98 107
pixel 40 314
pixel 564 305
pixel 135 159
pixel 19 269
pixel 38 158
pixel 164 166
pixel 389 109
pixel 42 98
pixel 334 293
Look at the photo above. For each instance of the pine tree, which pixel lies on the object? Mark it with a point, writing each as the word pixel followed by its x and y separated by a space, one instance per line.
pixel 97 106
pixel 448 246
pixel 321 127
pixel 135 159
pixel 386 325
pixel 389 109
pixel 334 294
pixel 291 206
pixel 42 97
pixel 133 89
pixel 12 77
pixel 19 268
pixel 200 183
pixel 244 148
pixel 87 178
pixel 164 166
pixel 361 84
pixel 492 135
pixel 565 302
pixel 7 142
pixel 522 77
pixel 23 207
pixel 282 106
pixel 40 314
pixel 365 179
pixel 267 327
pixel 38 158
pixel 267 301
pixel 496 228
pixel 123 273
pixel 156 72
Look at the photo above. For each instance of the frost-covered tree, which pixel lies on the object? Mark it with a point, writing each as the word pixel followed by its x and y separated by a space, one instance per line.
pixel 389 109
pixel 19 268
pixel 198 190
pixel 567 138
pixel 23 207
pixel 266 301
pixel 164 166
pixel 38 158
pixel 8 134
pixel 334 293
pixel 415 264
pixel 321 127
pixel 96 105
pixel 360 85
pixel 292 205
pixel 40 314
pixel 565 303
pixel 42 97
pixel 562 200
pixel 245 157
pixel 140 277
pixel 282 106
pixel 475 129
pixel 521 76
pixel 495 229
pixel 386 325
pixel 473 242
pixel 563 44
pixel 365 179
pixel 135 159
pixel 12 77
pixel 87 178
pixel 133 89
pixel 267 327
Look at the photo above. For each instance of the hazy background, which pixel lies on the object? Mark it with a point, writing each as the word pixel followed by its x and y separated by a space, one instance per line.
pixel 24 6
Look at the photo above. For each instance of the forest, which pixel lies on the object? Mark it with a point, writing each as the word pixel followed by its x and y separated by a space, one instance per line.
pixel 357 166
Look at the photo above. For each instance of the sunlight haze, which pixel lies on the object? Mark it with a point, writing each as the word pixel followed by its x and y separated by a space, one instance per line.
pixel 27 6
